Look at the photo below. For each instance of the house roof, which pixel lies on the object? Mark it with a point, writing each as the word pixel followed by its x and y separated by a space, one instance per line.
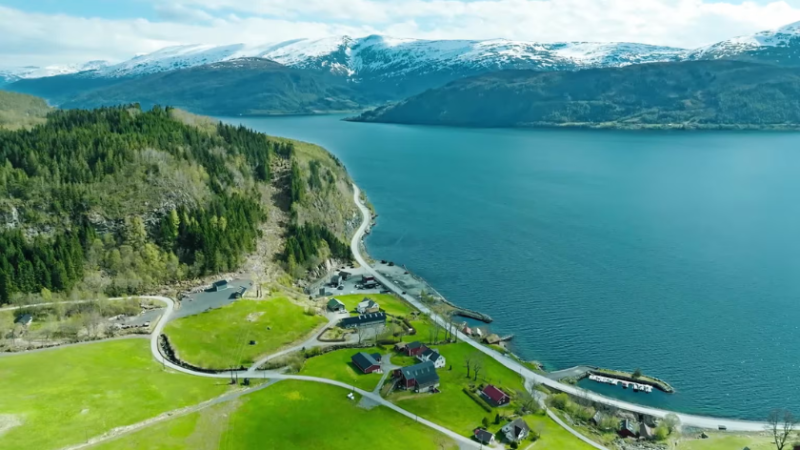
pixel 220 283
pixel 419 371
pixel 415 345
pixel 627 425
pixel 427 379
pixel 364 319
pixel 483 435
pixel 25 318
pixel 645 431
pixel 495 394
pixel 432 355
pixel 364 360
pixel 368 303
pixel 517 427
pixel 334 302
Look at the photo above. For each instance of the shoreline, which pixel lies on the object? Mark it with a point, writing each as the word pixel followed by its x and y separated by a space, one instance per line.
pixel 519 365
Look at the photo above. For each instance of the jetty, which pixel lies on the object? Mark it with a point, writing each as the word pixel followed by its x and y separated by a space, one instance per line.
pixel 625 384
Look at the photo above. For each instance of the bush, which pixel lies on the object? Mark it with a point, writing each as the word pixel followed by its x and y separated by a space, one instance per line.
pixel 514 445
pixel 661 432
pixel 560 401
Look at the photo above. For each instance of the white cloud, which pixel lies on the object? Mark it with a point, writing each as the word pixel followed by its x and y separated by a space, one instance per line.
pixel 41 39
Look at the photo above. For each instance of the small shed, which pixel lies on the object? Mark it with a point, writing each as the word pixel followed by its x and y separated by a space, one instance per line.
pixel 24 320
pixel 627 429
pixel 335 305
pixel 336 280
pixel 220 285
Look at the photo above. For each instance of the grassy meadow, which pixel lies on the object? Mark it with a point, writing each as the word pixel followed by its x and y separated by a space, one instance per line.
pixel 221 338
pixel 290 414
pixel 337 365
pixel 60 397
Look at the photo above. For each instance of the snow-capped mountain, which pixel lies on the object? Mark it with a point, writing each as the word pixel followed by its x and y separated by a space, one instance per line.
pixel 28 72
pixel 390 57
pixel 780 45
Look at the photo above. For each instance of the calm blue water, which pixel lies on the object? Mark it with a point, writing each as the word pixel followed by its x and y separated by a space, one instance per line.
pixel 676 253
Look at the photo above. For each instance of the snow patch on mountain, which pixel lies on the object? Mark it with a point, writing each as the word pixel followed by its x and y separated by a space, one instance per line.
pixel 350 57
pixel 765 39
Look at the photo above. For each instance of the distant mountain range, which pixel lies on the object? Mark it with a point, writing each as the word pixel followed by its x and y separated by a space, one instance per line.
pixel 717 94
pixel 381 68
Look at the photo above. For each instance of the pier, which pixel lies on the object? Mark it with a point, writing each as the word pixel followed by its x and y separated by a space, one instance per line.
pixel 625 384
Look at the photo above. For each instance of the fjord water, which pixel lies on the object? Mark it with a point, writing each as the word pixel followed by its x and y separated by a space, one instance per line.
pixel 677 253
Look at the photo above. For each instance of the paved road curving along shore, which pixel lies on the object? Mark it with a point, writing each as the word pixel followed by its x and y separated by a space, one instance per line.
pixel 529 375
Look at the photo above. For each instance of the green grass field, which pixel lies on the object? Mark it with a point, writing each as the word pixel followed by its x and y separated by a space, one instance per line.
pixel 220 338
pixel 388 302
pixel 338 366
pixel 63 396
pixel 290 414
pixel 452 407
pixel 723 441
pixel 553 437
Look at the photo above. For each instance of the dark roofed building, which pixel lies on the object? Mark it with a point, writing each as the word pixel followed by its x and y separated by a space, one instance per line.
pixel 368 363
pixel 421 377
pixel 516 430
pixel 432 356
pixel 24 320
pixel 483 436
pixel 336 305
pixel 627 429
pixel 364 320
pixel 220 285
pixel 495 396
pixel 415 348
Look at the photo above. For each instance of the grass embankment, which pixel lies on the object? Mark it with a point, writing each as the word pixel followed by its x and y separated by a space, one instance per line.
pixel 61 397
pixel 337 365
pixel 220 338
pixel 388 302
pixel 290 414
pixel 727 441
pixel 655 382
pixel 21 110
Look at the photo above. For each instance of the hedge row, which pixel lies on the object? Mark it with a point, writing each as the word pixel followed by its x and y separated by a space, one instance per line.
pixel 480 401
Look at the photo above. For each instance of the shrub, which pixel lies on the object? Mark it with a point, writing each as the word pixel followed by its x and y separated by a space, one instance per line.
pixel 637 373
pixel 514 445
pixel 560 401
pixel 485 422
pixel 661 432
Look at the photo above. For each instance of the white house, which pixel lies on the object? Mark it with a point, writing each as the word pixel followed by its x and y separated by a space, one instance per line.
pixel 516 430
pixel 432 356
pixel 368 306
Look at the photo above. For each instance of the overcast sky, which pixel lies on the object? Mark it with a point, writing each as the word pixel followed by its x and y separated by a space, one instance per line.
pixel 52 32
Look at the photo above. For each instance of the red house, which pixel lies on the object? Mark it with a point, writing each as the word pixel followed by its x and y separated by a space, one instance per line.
pixel 415 348
pixel 420 377
pixel 495 396
pixel 366 362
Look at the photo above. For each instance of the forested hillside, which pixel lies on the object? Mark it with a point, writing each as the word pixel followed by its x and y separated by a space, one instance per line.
pixel 698 94
pixel 20 110
pixel 123 200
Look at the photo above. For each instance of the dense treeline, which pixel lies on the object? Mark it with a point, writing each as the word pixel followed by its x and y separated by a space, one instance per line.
pixel 31 265
pixel 308 243
pixel 96 190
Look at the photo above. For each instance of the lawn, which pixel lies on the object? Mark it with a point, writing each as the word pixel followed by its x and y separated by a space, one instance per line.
pixel 452 407
pixel 220 338
pixel 724 441
pixel 63 396
pixel 337 365
pixel 388 302
pixel 290 414
pixel 553 437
